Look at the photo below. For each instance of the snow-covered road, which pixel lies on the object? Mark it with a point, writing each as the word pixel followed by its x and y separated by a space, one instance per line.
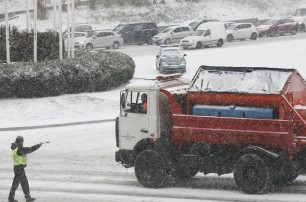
pixel 78 165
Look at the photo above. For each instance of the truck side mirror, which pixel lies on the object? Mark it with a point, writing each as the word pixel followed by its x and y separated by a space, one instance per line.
pixel 157 56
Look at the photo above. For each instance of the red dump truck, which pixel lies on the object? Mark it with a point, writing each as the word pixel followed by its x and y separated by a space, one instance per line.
pixel 245 120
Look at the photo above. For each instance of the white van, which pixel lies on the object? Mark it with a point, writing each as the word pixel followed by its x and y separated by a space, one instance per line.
pixel 207 34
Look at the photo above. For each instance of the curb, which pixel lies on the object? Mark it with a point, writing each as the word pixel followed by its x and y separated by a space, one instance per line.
pixel 55 125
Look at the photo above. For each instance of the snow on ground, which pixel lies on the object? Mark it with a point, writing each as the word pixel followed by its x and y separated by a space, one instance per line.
pixel 286 53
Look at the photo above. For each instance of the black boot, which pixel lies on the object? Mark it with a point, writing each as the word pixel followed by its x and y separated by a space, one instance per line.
pixel 29 199
pixel 12 200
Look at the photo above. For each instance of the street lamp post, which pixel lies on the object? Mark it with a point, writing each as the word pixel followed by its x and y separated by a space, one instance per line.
pixel 7 37
pixel 35 30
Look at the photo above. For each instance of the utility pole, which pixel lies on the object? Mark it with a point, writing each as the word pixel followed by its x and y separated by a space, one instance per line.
pixel 60 30
pixel 7 33
pixel 27 16
pixel 35 30
pixel 72 41
pixel 54 15
pixel 68 29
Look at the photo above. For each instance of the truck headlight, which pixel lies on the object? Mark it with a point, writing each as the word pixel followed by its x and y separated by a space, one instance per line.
pixel 183 62
pixel 81 42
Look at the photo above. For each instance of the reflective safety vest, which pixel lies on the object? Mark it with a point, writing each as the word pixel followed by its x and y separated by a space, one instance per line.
pixel 18 160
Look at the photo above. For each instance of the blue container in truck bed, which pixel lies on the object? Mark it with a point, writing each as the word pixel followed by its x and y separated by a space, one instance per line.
pixel 233 111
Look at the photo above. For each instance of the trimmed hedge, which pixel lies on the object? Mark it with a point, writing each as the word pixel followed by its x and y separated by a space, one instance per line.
pixel 87 72
pixel 22 45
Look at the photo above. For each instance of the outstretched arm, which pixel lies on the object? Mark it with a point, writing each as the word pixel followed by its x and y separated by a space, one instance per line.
pixel 27 150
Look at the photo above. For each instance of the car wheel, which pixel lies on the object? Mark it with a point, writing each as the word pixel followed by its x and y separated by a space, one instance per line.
pixel 220 43
pixel 253 36
pixel 198 45
pixel 294 31
pixel 272 33
pixel 116 45
pixel 229 38
pixel 89 47
pixel 168 41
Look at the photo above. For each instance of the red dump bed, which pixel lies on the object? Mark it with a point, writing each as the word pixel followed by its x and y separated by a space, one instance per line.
pixel 244 87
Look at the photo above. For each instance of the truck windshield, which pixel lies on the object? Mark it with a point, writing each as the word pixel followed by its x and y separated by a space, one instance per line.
pixel 198 33
pixel 300 12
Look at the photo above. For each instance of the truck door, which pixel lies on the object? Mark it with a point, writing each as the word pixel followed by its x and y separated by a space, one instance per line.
pixel 134 118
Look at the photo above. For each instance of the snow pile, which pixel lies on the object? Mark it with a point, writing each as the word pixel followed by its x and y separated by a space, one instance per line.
pixel 262 81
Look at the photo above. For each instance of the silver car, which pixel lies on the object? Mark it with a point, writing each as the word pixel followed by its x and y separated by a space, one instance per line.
pixel 170 60
pixel 172 34
pixel 100 39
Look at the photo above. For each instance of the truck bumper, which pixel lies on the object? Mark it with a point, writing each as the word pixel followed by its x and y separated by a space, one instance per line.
pixel 126 157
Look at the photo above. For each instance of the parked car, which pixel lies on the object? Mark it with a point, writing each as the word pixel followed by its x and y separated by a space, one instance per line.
pixel 300 18
pixel 82 27
pixel 137 33
pixel 78 36
pixel 207 34
pixel 241 31
pixel 277 26
pixel 170 60
pixel 196 23
pixel 172 34
pixel 101 39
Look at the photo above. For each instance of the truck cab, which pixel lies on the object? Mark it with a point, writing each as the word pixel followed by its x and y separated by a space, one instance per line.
pixel 137 128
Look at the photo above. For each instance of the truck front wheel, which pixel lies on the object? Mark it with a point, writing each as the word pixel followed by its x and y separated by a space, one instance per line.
pixel 150 169
pixel 252 174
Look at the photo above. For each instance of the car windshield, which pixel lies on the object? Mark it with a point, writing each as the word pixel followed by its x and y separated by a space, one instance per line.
pixel 198 33
pixel 118 28
pixel 170 52
pixel 300 12
pixel 167 30
pixel 230 27
pixel 90 34
pixel 271 22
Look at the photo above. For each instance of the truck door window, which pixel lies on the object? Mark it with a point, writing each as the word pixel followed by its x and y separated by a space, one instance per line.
pixel 136 102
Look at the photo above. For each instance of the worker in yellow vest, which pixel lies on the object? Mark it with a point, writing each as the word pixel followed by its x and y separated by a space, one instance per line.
pixel 19 154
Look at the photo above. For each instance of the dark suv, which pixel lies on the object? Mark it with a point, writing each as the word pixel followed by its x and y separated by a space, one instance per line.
pixel 137 33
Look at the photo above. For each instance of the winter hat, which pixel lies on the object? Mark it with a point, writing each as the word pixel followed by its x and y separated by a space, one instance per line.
pixel 19 139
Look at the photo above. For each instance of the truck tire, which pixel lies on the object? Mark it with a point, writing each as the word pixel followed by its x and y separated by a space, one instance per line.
pixel 252 174
pixel 150 169
pixel 286 174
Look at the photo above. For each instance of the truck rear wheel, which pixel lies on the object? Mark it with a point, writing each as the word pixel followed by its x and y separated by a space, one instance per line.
pixel 286 174
pixel 252 174
pixel 150 169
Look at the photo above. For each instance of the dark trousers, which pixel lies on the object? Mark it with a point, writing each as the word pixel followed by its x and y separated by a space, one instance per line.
pixel 20 178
